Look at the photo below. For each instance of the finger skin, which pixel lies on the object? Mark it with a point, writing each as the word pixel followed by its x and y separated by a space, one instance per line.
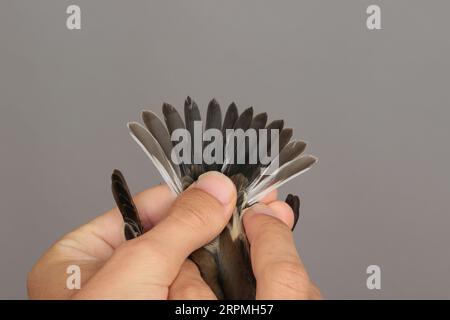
pixel 283 212
pixel 145 267
pixel 91 245
pixel 271 197
pixel 152 205
pixel 189 284
pixel 279 272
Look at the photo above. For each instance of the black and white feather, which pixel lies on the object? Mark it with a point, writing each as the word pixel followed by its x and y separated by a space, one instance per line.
pixel 225 262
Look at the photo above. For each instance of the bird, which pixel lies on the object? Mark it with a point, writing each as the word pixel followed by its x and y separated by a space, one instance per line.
pixel 224 263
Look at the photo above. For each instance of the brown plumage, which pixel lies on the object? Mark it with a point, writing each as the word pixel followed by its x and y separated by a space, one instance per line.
pixel 225 262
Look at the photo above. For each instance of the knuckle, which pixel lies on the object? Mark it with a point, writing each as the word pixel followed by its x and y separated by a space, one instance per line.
pixel 195 209
pixel 141 247
pixel 144 253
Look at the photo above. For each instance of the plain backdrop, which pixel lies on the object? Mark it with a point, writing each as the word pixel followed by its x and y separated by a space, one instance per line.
pixel 373 106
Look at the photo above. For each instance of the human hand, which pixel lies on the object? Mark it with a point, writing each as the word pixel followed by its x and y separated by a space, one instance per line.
pixel 155 265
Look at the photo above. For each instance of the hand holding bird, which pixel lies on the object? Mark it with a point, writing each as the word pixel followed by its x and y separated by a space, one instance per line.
pixel 239 150
pixel 155 265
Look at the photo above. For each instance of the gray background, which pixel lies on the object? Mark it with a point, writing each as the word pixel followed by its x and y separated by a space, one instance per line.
pixel 374 107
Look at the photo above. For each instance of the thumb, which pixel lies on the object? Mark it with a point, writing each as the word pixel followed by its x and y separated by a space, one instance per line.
pixel 146 266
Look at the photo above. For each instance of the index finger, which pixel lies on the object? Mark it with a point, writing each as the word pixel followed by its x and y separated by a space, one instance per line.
pixel 279 272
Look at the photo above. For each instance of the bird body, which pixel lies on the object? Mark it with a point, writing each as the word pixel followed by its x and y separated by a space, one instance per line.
pixel 224 263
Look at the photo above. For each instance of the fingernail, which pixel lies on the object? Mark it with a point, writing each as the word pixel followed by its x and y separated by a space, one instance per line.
pixel 217 185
